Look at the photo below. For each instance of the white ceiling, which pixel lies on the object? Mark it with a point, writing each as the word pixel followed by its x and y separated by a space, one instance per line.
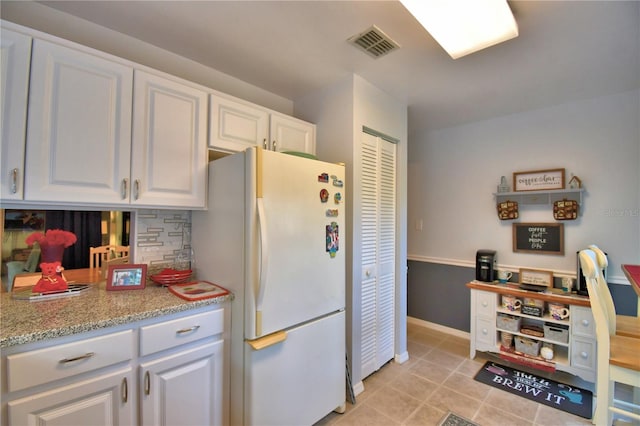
pixel 566 50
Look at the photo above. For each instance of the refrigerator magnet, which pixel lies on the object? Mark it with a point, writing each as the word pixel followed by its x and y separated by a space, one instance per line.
pixel 332 212
pixel 333 240
pixel 336 182
pixel 324 195
pixel 337 198
pixel 324 178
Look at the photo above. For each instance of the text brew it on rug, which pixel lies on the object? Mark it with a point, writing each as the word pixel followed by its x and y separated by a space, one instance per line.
pixel 544 391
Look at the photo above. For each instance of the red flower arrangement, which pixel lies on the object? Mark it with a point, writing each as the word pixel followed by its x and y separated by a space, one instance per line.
pixel 52 237
pixel 52 245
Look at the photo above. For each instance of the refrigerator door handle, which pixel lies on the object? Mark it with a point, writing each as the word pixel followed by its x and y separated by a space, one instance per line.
pixel 264 263
pixel 268 340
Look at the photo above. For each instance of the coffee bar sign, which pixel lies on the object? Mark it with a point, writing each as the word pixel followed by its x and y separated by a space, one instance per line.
pixel 538 180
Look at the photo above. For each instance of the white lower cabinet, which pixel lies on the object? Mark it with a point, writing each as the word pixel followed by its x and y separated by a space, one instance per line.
pixel 164 371
pixel 100 400
pixel 184 388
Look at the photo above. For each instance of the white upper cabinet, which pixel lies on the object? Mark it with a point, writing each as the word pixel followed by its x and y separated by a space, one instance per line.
pixel 169 156
pixel 79 127
pixel 16 55
pixel 237 125
pixel 290 134
pixel 93 139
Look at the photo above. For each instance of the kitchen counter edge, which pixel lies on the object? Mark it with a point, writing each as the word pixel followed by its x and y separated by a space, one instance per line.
pixel 23 321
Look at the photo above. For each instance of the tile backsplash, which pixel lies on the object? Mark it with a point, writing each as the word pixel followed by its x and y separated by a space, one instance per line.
pixel 161 236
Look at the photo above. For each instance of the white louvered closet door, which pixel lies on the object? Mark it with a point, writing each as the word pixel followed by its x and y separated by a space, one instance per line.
pixel 378 226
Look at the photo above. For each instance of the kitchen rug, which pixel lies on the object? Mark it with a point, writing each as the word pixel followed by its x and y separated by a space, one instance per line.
pixel 539 389
pixel 452 419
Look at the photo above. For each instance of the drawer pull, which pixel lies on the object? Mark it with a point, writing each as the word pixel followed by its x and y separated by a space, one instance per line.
pixel 14 181
pixel 136 187
pixel 124 188
pixel 77 358
pixel 147 383
pixel 125 390
pixel 188 330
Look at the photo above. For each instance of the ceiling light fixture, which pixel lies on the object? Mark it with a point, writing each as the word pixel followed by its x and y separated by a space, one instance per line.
pixel 462 27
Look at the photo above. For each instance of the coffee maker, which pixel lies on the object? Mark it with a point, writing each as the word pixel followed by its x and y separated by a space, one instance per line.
pixel 486 265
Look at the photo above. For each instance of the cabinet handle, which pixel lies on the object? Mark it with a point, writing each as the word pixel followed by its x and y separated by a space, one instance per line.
pixel 14 181
pixel 77 358
pixel 485 331
pixel 125 390
pixel 584 355
pixel 137 189
pixel 585 322
pixel 188 330
pixel 485 304
pixel 123 188
pixel 274 146
pixel 147 383
pixel 264 143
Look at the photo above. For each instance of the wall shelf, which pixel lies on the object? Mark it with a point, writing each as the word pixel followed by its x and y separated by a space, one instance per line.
pixel 540 197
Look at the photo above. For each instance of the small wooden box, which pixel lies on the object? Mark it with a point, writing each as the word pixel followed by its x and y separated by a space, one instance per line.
pixel 531 310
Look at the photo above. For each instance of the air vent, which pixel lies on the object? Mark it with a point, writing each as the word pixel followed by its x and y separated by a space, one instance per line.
pixel 374 42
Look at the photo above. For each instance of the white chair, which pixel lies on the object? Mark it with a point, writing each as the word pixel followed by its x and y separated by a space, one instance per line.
pixel 618 357
pixel 622 325
pixel 99 255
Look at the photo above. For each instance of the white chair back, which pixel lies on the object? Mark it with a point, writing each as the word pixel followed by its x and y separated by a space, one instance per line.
pixel 603 288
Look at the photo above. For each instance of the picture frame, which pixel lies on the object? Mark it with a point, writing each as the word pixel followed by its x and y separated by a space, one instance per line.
pixel 538 180
pixel 126 277
pixel 538 238
pixel 537 277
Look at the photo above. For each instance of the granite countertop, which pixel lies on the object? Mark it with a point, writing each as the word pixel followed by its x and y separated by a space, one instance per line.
pixel 24 321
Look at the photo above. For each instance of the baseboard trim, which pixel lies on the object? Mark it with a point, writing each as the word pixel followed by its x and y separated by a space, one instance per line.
pixel 439 327
pixel 401 358
pixel 358 388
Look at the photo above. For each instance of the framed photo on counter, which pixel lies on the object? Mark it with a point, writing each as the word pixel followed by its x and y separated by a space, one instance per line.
pixel 127 277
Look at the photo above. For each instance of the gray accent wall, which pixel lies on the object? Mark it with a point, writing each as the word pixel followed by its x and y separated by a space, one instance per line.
pixel 438 294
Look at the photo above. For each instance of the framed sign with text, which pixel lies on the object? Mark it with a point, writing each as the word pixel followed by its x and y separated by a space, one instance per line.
pixel 538 180
pixel 542 238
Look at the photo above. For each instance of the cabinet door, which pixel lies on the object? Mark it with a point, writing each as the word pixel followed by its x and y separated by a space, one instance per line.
pixel 79 127
pixel 290 134
pixel 16 55
pixel 102 400
pixel 169 155
pixel 236 126
pixel 184 388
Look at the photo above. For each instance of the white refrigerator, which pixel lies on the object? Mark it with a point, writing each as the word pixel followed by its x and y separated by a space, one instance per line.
pixel 273 234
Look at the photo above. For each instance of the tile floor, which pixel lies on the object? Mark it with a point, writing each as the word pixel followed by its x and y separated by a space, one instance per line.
pixel 439 378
